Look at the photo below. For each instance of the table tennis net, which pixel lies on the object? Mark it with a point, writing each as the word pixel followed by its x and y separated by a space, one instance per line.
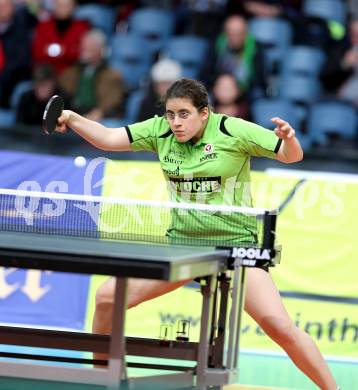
pixel 129 220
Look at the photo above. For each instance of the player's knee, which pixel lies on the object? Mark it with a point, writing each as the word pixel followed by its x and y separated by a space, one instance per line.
pixel 104 298
pixel 280 330
pixel 135 297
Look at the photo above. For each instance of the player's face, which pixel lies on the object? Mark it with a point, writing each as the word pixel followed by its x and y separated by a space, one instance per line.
pixel 185 120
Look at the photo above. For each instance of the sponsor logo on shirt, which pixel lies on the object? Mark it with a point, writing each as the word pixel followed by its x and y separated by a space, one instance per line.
pixel 176 152
pixel 208 148
pixel 172 160
pixel 169 172
pixel 208 157
pixel 196 185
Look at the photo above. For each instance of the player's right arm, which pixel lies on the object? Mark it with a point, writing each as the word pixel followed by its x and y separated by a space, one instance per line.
pixel 109 139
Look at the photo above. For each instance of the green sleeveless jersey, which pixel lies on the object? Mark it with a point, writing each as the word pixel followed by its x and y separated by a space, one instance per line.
pixel 214 170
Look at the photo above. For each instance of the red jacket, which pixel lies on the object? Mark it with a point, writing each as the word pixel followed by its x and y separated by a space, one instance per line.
pixel 66 52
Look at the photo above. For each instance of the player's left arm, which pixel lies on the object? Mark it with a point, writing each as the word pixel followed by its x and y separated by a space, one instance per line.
pixel 290 150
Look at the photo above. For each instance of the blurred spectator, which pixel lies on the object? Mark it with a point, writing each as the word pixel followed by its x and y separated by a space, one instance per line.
pixel 56 40
pixel 353 8
pixel 290 10
pixel 205 17
pixel 107 2
pixel 340 74
pixel 349 64
pixel 35 7
pixel 265 8
pixel 32 103
pixel 228 99
pixel 163 74
pixel 238 54
pixel 15 48
pixel 166 4
pixel 95 89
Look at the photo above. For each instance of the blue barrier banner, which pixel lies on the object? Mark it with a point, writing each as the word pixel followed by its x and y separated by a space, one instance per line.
pixel 37 297
pixel 43 298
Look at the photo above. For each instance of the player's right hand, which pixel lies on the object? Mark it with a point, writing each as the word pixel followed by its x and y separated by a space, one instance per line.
pixel 62 121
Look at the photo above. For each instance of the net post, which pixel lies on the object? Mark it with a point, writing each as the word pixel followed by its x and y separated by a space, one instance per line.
pixel 269 225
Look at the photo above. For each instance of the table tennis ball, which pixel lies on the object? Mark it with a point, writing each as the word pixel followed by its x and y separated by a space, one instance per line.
pixel 80 161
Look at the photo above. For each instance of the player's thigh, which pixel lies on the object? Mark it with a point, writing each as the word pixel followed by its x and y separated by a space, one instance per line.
pixel 139 290
pixel 263 300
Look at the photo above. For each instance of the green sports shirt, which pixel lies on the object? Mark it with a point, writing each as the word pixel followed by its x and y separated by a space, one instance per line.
pixel 214 170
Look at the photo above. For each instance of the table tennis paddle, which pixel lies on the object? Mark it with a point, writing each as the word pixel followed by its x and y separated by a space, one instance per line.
pixel 53 110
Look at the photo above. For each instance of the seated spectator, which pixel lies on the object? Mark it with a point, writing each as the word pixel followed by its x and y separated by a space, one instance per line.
pixel 56 40
pixel 16 26
pixel 106 2
pixel 266 8
pixel 205 17
pixel 238 54
pixel 349 89
pixel 32 103
pixel 228 99
pixel 306 31
pixel 95 89
pixel 263 9
pixel 163 74
pixel 353 8
pixel 340 73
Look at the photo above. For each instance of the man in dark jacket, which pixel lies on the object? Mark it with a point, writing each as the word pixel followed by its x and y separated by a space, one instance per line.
pixel 15 48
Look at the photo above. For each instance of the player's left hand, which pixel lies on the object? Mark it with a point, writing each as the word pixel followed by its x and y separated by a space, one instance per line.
pixel 283 129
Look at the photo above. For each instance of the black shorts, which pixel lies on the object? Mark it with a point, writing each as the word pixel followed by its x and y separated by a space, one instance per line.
pixel 264 266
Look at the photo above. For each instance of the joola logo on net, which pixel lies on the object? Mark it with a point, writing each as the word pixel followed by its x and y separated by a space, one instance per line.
pixel 252 253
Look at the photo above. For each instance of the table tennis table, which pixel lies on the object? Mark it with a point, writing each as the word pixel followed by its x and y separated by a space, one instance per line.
pixel 214 358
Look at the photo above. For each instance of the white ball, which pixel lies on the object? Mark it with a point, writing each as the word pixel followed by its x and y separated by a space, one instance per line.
pixel 80 161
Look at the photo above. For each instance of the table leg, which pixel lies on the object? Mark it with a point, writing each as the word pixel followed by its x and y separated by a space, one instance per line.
pixel 116 360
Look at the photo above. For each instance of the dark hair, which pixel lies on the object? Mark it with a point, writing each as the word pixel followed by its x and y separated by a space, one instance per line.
pixel 43 72
pixel 188 89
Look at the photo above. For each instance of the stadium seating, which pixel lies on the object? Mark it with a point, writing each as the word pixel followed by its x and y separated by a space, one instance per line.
pixel 131 57
pixel 330 10
pixel 154 25
pixel 265 109
pixel 132 105
pixel 190 51
pixel 274 35
pixel 99 16
pixel 299 88
pixel 306 60
pixel 334 117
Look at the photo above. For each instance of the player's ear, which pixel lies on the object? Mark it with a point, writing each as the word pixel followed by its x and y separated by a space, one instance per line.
pixel 204 112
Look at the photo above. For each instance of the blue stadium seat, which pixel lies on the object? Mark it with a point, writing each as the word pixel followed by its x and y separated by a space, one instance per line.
pixel 332 117
pixel 154 25
pixel 131 57
pixel 132 105
pixel 274 35
pixel 190 51
pixel 99 16
pixel 7 117
pixel 330 10
pixel 114 122
pixel 20 88
pixel 299 88
pixel 306 60
pixel 264 109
